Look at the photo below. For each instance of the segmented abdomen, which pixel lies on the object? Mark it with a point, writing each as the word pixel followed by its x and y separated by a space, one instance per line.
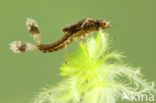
pixel 66 40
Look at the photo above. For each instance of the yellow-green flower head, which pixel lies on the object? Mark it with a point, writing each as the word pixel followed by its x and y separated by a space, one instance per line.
pixel 92 76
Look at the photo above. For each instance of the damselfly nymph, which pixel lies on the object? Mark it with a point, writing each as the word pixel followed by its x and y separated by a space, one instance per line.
pixel 78 30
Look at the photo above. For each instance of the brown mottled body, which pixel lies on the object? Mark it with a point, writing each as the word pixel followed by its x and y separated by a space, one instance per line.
pixel 72 32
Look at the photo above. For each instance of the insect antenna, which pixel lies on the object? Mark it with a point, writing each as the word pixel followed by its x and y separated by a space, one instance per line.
pixel 117 25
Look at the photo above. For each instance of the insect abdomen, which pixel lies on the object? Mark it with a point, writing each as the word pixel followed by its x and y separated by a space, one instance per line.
pixel 66 40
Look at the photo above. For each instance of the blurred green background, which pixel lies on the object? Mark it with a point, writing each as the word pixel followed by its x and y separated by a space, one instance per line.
pixel 22 75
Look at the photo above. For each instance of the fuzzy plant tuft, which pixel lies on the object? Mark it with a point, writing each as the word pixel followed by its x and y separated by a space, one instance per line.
pixel 95 74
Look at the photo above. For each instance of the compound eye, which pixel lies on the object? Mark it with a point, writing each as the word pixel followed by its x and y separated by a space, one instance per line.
pixel 104 23
pixel 107 24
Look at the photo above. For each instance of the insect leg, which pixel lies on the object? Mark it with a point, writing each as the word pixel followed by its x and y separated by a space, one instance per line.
pixel 66 53
pixel 107 35
pixel 86 21
pixel 81 37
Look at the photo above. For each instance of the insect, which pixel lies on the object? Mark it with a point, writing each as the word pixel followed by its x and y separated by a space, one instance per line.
pixel 72 32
